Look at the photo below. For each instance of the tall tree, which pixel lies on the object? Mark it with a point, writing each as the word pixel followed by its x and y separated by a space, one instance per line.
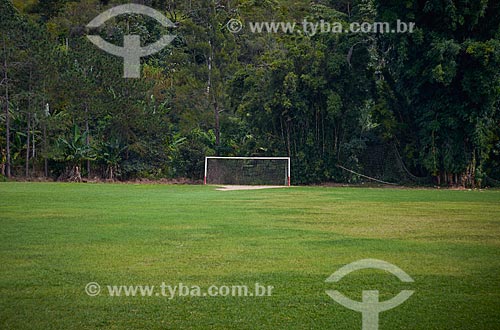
pixel 445 81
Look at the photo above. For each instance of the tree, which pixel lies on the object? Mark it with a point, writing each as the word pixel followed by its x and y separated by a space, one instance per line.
pixel 445 83
pixel 74 150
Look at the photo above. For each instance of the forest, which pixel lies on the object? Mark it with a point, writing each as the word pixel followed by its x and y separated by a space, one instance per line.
pixel 419 108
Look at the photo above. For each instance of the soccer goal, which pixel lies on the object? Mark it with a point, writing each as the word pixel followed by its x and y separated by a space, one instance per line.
pixel 273 171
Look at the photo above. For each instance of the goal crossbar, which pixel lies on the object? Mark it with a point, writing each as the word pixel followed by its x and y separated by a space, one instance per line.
pixel 249 158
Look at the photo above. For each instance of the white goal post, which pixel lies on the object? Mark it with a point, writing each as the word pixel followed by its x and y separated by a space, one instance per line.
pixel 247 170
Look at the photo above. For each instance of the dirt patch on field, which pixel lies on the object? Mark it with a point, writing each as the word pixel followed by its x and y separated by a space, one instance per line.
pixel 231 188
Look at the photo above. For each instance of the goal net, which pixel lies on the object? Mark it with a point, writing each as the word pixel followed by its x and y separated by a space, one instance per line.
pixel 273 171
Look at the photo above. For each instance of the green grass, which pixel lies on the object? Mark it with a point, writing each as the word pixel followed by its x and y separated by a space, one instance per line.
pixel 55 238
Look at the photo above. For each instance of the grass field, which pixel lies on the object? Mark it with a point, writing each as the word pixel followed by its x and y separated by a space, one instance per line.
pixel 55 238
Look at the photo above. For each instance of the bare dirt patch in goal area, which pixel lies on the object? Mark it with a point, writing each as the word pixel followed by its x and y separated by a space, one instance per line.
pixel 231 188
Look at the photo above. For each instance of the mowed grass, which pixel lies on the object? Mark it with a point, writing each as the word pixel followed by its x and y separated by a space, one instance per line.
pixel 55 238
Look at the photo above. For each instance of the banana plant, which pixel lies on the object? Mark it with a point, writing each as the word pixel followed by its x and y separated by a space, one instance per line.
pixel 74 149
pixel 110 153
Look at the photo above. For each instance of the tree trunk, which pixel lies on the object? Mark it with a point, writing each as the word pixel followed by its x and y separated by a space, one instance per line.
pixel 217 123
pixel 75 175
pixel 288 144
pixel 212 96
pixel 33 147
pixel 45 159
pixel 7 115
pixel 28 131
pixel 87 141
pixel 27 162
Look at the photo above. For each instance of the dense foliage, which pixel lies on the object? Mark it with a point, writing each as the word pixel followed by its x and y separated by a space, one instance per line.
pixel 427 102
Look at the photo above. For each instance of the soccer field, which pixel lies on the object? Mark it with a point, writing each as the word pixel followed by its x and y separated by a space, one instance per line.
pixel 56 238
